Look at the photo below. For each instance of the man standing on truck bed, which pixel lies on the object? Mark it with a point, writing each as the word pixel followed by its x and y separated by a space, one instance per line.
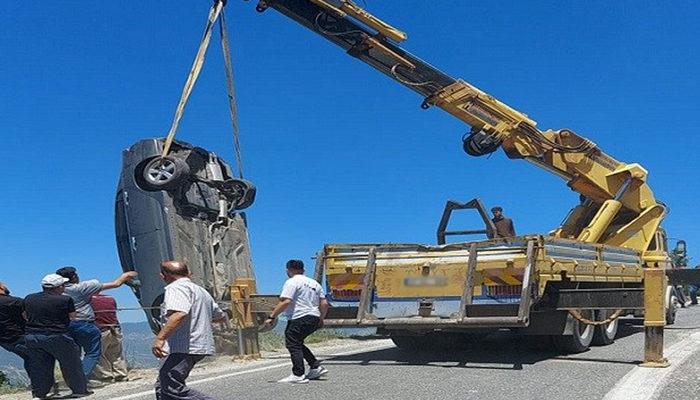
pixel 504 226
pixel 304 302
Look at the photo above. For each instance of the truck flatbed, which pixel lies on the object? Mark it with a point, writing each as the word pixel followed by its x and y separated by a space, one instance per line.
pixel 490 283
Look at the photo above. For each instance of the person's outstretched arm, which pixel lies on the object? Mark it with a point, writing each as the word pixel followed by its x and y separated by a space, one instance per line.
pixel 119 281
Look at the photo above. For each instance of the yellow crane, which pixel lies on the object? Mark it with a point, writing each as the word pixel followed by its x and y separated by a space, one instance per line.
pixel 618 207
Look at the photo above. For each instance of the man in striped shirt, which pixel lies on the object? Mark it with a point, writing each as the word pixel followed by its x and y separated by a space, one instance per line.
pixel 187 336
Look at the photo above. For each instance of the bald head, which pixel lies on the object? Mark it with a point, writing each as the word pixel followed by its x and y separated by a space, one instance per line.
pixel 175 268
pixel 3 289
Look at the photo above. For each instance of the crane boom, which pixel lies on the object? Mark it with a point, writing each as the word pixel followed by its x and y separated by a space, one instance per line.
pixel 617 205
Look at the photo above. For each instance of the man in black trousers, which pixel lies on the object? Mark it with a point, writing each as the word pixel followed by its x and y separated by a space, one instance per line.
pixel 304 302
pixel 12 339
pixel 48 315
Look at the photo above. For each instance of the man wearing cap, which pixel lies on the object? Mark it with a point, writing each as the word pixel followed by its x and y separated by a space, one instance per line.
pixel 82 327
pixel 504 226
pixel 12 339
pixel 48 317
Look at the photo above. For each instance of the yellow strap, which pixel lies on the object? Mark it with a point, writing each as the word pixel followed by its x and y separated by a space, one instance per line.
pixel 214 13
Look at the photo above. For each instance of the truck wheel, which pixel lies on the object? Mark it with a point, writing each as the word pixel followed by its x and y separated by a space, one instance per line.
pixel 604 335
pixel 671 308
pixel 451 341
pixel 163 173
pixel 581 338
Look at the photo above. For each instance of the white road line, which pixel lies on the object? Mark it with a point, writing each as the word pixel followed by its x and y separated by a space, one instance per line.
pixel 646 383
pixel 250 371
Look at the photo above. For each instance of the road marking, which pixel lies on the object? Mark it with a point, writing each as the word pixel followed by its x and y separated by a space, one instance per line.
pixel 261 369
pixel 646 383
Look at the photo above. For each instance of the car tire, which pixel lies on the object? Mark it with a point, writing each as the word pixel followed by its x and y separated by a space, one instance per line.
pixel 244 189
pixel 163 173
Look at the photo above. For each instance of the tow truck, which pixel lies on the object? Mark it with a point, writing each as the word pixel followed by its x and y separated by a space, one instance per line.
pixel 608 258
pixel 570 284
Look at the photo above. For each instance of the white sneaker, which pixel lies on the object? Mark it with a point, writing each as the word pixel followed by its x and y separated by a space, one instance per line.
pixel 315 373
pixel 294 379
pixel 47 397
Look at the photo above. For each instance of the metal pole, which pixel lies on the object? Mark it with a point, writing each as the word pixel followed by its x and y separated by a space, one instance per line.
pixel 365 305
pixel 242 351
pixel 654 317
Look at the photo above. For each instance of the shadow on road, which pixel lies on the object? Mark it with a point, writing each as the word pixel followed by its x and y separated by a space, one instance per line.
pixel 503 350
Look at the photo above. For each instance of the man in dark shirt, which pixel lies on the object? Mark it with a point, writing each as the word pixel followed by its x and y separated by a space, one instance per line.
pixel 504 226
pixel 12 337
pixel 48 317
pixel 11 319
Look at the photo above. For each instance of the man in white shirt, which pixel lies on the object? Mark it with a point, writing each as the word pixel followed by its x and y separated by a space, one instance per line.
pixel 187 336
pixel 304 303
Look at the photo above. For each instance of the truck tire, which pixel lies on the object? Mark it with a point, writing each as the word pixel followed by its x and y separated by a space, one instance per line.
pixel 579 341
pixel 439 341
pixel 409 342
pixel 671 308
pixel 604 335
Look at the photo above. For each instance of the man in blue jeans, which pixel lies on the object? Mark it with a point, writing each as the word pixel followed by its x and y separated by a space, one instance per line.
pixel 82 327
pixel 48 317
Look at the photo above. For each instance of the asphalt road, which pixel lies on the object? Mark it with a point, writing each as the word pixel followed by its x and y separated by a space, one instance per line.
pixel 503 366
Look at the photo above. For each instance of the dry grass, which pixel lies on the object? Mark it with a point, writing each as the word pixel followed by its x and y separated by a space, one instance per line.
pixel 270 341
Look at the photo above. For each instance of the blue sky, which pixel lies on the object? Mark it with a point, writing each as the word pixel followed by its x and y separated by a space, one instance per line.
pixel 339 152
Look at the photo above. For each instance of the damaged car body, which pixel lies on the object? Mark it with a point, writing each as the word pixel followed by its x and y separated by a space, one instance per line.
pixel 185 206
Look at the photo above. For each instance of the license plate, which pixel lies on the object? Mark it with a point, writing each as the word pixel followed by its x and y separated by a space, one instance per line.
pixel 426 281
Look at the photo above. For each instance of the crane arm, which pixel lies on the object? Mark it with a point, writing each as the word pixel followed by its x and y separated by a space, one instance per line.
pixel 617 205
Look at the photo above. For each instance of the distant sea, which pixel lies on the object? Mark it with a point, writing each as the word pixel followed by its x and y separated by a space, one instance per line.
pixel 137 349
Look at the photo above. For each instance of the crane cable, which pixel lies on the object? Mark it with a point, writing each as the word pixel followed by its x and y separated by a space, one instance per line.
pixel 215 13
pixel 231 93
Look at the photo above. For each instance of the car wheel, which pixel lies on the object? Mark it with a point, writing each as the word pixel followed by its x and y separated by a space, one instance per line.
pixel 242 191
pixel 164 173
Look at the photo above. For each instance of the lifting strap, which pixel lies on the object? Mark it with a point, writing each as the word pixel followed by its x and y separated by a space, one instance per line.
pixel 215 13
pixel 231 93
